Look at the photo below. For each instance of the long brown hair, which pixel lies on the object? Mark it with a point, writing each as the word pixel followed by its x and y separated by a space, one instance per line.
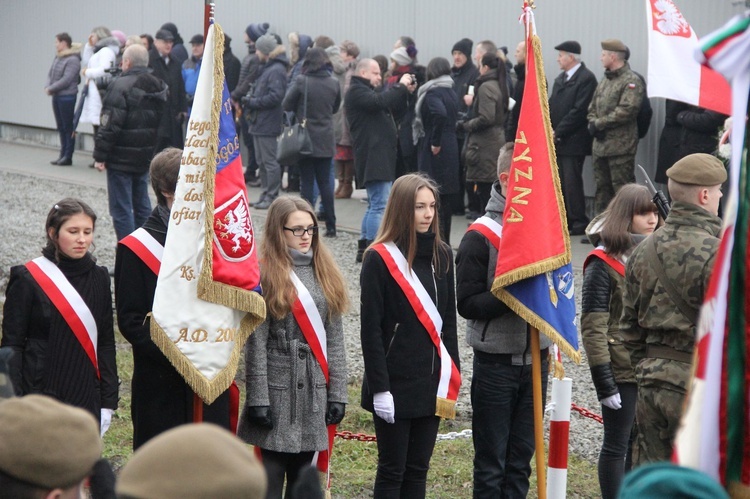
pixel 276 263
pixel 630 200
pixel 398 226
pixel 60 213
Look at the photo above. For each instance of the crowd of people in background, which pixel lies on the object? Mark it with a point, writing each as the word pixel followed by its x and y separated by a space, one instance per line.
pixel 435 141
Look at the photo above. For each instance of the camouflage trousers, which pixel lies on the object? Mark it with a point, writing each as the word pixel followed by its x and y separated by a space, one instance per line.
pixel 611 173
pixel 657 412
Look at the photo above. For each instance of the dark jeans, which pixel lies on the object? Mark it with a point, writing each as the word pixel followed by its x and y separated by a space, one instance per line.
pixel 64 107
pixel 571 178
pixel 503 426
pixel 129 204
pixel 617 430
pixel 404 452
pixel 280 465
pixel 310 171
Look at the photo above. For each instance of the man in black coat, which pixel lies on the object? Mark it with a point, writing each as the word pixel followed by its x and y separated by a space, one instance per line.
pixel 169 70
pixel 124 144
pixel 374 139
pixel 568 107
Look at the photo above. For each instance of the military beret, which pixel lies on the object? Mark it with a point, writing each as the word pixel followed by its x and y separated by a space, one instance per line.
pixel 659 480
pixel 193 461
pixel 698 169
pixel 164 34
pixel 614 45
pixel 46 443
pixel 570 46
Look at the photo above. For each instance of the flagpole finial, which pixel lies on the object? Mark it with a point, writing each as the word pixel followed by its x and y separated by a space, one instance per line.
pixel 211 11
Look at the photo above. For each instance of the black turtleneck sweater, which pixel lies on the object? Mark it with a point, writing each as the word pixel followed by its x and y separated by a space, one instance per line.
pixel 48 357
pixel 398 352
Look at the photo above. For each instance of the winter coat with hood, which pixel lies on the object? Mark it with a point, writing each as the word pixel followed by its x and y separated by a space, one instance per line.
pixel 323 100
pixel 97 80
pixel 131 115
pixel 63 77
pixel 486 129
pixel 268 94
pixel 439 111
pixel 601 308
pixel 491 327
pixel 171 74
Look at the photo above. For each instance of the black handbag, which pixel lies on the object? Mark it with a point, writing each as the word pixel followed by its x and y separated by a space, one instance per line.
pixel 294 143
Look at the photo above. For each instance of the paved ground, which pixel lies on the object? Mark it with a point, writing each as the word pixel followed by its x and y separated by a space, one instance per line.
pixel 34 160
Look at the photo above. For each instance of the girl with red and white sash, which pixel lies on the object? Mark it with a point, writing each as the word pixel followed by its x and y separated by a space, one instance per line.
pixel 408 333
pixel 295 361
pixel 630 217
pixel 57 318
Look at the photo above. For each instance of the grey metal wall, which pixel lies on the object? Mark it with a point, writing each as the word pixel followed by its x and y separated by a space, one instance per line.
pixel 29 28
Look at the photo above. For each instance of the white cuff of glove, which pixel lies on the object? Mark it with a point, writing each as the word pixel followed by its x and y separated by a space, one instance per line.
pixel 382 402
pixel 106 420
pixel 614 402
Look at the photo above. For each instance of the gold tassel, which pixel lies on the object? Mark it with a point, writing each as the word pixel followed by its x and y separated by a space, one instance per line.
pixel 445 408
pixel 558 370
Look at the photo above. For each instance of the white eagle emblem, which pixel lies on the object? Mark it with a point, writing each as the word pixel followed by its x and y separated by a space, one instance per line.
pixel 233 229
pixel 668 20
pixel 236 226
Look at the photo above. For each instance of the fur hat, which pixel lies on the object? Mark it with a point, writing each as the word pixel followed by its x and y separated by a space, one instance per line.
pixel 401 57
pixel 255 31
pixel 193 461
pixel 266 44
pixel 46 443
pixel 464 45
pixel 698 169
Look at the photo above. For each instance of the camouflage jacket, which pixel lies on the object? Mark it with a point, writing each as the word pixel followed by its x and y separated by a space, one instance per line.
pixel 686 246
pixel 613 110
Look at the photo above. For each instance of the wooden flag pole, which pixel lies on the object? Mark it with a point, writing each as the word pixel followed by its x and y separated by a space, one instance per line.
pixel 208 14
pixel 536 378
pixel 197 409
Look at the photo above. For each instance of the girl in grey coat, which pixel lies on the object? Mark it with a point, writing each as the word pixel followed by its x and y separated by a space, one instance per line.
pixel 289 401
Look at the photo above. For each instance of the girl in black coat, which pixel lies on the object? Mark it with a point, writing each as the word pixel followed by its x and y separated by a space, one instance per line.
pixel 402 362
pixel 49 358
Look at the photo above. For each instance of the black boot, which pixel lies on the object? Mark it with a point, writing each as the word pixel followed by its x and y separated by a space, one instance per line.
pixel 362 245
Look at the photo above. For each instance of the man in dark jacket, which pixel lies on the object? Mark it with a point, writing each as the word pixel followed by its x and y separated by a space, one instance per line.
pixel 266 115
pixel 374 138
pixel 568 106
pixel 124 145
pixel 169 70
pixel 501 387
pixel 511 126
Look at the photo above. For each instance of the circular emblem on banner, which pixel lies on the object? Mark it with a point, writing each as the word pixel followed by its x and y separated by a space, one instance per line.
pixel 667 20
pixel 233 229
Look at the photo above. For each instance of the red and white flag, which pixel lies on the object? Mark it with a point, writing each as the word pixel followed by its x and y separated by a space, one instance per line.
pixel 673 71
pixel 207 299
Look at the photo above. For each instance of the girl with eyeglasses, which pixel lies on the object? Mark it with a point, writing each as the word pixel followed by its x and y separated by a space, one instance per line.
pixel 295 361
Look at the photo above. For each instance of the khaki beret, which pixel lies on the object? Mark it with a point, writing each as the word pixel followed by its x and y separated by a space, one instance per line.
pixel 698 169
pixel 614 45
pixel 193 461
pixel 46 443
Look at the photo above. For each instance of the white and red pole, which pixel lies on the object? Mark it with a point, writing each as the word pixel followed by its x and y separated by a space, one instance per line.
pixel 559 432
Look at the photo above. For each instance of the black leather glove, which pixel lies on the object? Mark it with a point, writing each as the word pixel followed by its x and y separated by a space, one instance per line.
pixel 460 126
pixel 604 381
pixel 259 416
pixel 592 129
pixel 335 412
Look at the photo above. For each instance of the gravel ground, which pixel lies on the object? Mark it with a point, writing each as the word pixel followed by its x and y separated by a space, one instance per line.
pixel 30 198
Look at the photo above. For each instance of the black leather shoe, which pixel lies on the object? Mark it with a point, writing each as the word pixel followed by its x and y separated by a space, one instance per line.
pixel 330 233
pixel 64 162
pixel 55 161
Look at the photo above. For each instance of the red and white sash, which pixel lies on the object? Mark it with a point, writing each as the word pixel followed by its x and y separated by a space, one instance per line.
pixel 599 252
pixel 313 328
pixel 429 317
pixel 69 303
pixel 489 228
pixel 148 249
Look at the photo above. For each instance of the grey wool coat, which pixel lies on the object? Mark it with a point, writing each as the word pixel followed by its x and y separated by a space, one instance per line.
pixel 282 372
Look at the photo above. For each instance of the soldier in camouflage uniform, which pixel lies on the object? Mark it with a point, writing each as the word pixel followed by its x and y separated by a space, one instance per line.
pixel 666 277
pixel 612 123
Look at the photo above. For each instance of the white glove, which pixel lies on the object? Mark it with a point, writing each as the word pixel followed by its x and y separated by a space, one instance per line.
pixel 614 402
pixel 106 420
pixel 384 408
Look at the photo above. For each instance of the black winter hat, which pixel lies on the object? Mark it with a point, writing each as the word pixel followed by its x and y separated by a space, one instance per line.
pixel 570 46
pixel 255 30
pixel 464 46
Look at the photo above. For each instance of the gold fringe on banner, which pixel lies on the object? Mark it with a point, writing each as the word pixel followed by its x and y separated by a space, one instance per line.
pixel 445 408
pixel 558 370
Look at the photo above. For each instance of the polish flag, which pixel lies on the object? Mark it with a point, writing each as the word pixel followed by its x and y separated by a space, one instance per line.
pixel 673 71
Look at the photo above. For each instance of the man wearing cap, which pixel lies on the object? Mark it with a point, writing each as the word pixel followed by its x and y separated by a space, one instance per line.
pixel 612 122
pixel 169 70
pixel 464 73
pixel 666 278
pixel 47 449
pixel 265 115
pixel 568 107
pixel 191 68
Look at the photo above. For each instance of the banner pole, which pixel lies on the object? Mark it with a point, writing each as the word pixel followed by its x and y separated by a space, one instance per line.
pixel 536 377
pixel 208 8
pixel 197 409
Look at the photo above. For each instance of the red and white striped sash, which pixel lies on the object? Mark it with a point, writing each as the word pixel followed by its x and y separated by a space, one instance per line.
pixel 148 249
pixel 429 317
pixel 313 328
pixel 599 252
pixel 69 303
pixel 489 228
